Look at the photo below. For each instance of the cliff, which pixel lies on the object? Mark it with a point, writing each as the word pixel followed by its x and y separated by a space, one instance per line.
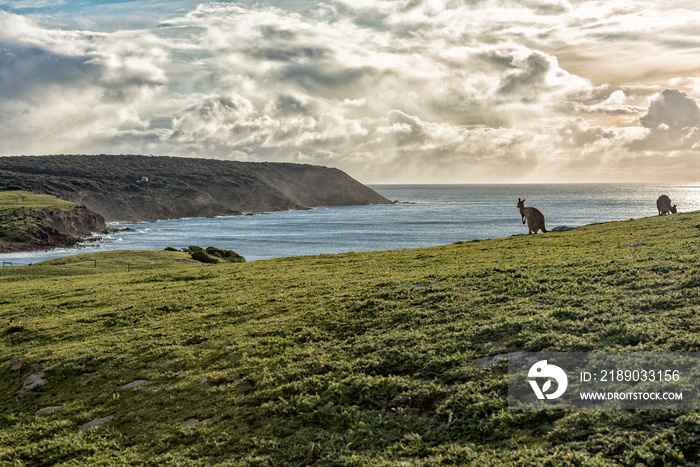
pixel 128 187
pixel 28 229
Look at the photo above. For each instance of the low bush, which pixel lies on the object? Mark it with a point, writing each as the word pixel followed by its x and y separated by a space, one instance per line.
pixel 202 256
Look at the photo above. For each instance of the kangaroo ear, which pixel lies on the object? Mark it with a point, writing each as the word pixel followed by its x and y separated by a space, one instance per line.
pixel 519 199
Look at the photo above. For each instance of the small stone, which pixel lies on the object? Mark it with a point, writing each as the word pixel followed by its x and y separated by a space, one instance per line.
pixel 47 410
pixel 133 384
pixel 484 361
pixel 204 380
pixel 190 422
pixel 47 353
pixel 15 364
pixel 32 382
pixel 97 423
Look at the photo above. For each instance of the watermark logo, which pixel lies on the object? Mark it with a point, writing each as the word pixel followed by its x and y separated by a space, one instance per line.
pixel 604 380
pixel 542 369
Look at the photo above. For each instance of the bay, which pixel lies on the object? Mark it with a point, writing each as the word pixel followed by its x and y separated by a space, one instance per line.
pixel 428 215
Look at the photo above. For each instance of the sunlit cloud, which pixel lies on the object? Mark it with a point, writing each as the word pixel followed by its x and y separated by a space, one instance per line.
pixel 393 91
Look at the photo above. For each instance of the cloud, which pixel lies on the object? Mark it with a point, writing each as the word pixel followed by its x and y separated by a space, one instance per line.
pixel 672 121
pixel 674 109
pixel 75 91
pixel 24 69
pixel 26 4
pixel 391 91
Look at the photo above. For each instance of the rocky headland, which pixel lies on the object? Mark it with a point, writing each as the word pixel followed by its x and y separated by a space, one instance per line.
pixel 136 188
pixel 30 229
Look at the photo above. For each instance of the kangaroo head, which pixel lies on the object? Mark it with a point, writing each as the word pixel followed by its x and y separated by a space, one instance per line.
pixel 521 203
pixel 673 209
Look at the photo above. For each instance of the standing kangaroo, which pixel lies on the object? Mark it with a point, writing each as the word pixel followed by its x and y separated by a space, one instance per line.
pixel 534 217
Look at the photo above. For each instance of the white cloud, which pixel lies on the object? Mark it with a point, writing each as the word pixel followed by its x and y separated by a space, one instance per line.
pixel 673 109
pixel 25 4
pixel 77 91
pixel 435 90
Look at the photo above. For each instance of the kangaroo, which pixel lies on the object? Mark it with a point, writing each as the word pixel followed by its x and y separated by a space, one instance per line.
pixel 534 217
pixel 663 204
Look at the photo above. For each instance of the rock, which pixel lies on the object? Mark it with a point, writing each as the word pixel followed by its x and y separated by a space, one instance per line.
pixel 97 423
pixel 87 380
pixel 133 384
pixel 504 356
pixel 32 382
pixel 47 353
pixel 15 364
pixel 204 380
pixel 190 422
pixel 47 410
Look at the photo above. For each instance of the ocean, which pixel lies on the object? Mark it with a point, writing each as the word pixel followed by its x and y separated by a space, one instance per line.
pixel 427 215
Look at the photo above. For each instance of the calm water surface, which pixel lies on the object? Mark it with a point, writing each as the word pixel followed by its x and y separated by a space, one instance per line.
pixel 433 215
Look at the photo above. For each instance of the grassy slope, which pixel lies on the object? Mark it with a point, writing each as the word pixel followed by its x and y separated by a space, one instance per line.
pixel 16 208
pixel 25 199
pixel 352 359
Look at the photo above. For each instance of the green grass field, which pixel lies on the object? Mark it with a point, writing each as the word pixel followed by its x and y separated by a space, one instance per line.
pixel 24 199
pixel 352 359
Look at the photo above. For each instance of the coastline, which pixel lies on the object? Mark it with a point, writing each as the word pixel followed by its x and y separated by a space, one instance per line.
pixel 430 217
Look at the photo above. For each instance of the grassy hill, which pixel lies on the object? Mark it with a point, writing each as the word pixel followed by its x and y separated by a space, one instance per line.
pixel 351 359
pixel 131 187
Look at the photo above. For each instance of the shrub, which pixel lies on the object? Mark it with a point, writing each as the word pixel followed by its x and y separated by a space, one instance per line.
pixel 213 251
pixel 213 254
pixel 202 256
pixel 227 255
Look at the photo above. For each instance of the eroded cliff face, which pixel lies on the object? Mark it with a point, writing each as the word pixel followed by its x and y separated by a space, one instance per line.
pixel 80 222
pixel 54 228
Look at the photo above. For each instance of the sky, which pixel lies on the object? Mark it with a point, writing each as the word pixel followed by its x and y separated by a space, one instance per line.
pixel 390 91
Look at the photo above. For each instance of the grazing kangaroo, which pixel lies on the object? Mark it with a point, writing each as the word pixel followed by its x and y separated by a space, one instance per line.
pixel 534 217
pixel 663 204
